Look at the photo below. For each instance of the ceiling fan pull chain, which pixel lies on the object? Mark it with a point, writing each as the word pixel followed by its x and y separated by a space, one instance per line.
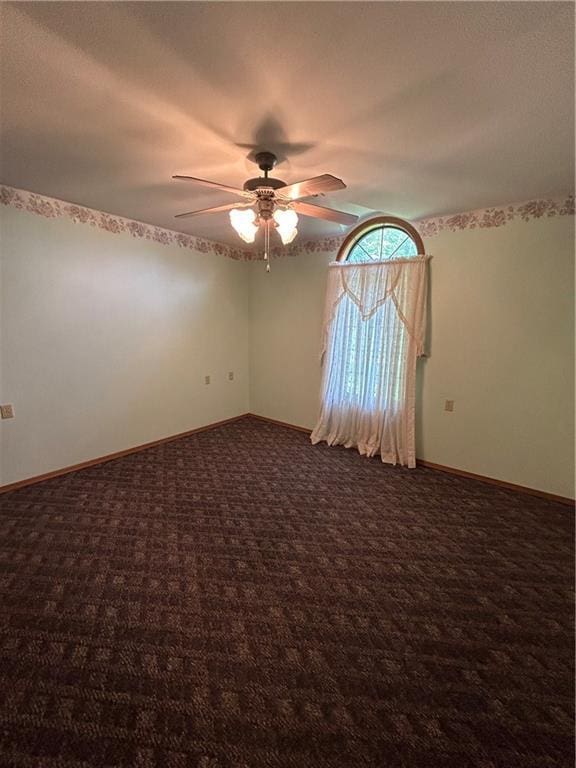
pixel 267 244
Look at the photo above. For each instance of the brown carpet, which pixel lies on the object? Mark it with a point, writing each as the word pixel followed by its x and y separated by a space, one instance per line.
pixel 241 599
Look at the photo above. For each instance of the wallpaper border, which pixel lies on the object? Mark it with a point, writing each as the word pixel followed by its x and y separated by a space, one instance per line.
pixel 52 208
pixel 482 218
pixel 497 216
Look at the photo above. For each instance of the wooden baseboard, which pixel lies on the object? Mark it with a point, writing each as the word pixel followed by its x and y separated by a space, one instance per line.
pixel 453 470
pixel 144 446
pixel 494 481
pixel 112 456
pixel 280 423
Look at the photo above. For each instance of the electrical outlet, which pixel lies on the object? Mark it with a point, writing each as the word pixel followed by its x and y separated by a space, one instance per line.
pixel 206 379
pixel 230 375
pixel 449 405
pixel 7 411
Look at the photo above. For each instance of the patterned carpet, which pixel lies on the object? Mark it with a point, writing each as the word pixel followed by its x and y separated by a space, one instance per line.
pixel 242 599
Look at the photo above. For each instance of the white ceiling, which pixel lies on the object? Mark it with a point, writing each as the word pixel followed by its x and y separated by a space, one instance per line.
pixel 422 108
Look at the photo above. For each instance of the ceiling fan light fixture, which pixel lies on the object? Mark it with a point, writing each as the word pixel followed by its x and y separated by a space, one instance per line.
pixel 286 220
pixel 244 222
pixel 273 201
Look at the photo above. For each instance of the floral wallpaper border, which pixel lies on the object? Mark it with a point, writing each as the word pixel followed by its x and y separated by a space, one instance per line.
pixel 479 219
pixel 496 217
pixel 52 208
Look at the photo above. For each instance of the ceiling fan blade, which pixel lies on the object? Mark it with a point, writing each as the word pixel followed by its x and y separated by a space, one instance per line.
pixel 213 184
pixel 319 212
pixel 216 209
pixel 315 186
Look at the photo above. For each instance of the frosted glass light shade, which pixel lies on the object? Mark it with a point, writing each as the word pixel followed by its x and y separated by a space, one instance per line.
pixel 243 223
pixel 287 221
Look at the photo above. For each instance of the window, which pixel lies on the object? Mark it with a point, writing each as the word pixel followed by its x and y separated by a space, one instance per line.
pixel 380 239
pixel 373 333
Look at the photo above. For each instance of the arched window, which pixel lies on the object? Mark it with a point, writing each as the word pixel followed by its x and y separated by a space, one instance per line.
pixel 373 333
pixel 379 239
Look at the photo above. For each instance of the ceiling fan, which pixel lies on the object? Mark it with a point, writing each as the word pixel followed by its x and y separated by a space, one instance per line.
pixel 271 202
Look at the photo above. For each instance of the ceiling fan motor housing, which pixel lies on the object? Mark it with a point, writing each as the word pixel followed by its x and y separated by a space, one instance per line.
pixel 264 183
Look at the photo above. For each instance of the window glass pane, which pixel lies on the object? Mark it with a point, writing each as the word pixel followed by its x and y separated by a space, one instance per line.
pixel 383 243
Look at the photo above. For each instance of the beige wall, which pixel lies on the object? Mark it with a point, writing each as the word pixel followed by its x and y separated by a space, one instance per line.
pixel 106 341
pixel 501 346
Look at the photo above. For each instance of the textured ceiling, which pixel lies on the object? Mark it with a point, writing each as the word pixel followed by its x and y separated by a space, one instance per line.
pixel 422 108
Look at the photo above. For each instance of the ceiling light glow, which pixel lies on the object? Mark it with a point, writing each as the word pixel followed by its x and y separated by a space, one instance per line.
pixel 286 220
pixel 243 222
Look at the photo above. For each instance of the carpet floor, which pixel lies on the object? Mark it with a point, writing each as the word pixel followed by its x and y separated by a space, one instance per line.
pixel 241 599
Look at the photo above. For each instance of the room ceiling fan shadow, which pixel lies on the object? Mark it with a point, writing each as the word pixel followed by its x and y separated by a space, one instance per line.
pixel 271 135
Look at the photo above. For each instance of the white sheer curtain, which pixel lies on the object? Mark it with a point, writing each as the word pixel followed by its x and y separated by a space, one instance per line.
pixel 374 325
